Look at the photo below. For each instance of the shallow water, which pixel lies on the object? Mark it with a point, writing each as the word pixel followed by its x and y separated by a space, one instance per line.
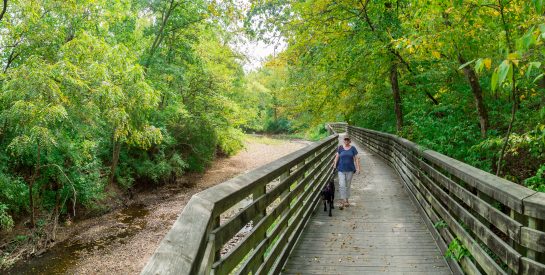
pixel 65 255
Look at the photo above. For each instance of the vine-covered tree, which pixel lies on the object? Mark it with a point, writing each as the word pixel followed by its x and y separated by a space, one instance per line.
pixel 97 94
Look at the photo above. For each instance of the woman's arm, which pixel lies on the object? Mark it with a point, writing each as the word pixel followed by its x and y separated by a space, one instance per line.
pixel 335 160
pixel 357 161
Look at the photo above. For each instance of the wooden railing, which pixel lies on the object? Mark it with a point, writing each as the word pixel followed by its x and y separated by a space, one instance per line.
pixel 336 127
pixel 499 225
pixel 279 198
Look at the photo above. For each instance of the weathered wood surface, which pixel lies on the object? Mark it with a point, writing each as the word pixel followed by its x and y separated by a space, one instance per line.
pixel 382 232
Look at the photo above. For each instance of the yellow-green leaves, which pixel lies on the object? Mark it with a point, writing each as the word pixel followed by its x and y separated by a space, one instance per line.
pixel 110 78
pixel 504 72
pixel 528 40
pixel 538 77
pixel 75 93
pixel 34 106
pixel 481 64
pixel 145 137
pixel 531 67
pixel 466 64
pixel 501 74
pixel 487 63
pixel 542 30
pixel 539 5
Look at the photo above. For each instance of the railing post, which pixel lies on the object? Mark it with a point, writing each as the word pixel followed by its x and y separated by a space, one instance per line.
pixel 519 218
pixel 258 193
pixel 217 250
pixel 282 177
pixel 208 259
pixel 328 128
pixel 532 223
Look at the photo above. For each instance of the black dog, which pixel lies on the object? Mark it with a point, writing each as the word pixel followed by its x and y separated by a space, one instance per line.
pixel 328 195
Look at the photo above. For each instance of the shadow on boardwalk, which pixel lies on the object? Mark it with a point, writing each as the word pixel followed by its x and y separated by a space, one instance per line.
pixel 381 232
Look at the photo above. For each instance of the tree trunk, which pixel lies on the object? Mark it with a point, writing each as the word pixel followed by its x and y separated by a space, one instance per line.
pixel 115 160
pixel 513 89
pixel 397 96
pixel 509 129
pixel 11 58
pixel 160 34
pixel 56 211
pixel 506 139
pixel 435 102
pixel 477 95
pixel 542 86
pixel 31 186
pixel 31 204
pixel 4 8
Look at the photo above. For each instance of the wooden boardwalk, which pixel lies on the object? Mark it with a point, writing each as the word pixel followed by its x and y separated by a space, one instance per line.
pixel 381 232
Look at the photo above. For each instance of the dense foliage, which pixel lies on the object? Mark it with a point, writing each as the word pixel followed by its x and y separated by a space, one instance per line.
pixel 101 95
pixel 464 78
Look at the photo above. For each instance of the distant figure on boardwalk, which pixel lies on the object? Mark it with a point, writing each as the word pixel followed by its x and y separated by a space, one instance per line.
pixel 347 163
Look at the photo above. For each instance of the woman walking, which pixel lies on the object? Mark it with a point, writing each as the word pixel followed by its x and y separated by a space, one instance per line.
pixel 347 163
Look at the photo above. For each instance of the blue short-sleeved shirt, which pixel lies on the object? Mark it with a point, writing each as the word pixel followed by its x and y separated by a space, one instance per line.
pixel 346 159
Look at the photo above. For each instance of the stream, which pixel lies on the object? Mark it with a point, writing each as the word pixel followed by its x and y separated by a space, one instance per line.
pixel 66 254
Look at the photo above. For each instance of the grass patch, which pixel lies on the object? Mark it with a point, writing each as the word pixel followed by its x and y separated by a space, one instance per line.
pixel 268 140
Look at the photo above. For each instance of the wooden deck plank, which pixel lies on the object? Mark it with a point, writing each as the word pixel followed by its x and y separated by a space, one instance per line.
pixel 381 232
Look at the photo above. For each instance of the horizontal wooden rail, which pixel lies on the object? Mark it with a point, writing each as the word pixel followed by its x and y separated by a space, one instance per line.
pixel 336 127
pixel 501 225
pixel 275 201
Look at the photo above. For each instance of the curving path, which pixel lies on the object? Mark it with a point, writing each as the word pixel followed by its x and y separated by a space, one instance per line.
pixel 380 233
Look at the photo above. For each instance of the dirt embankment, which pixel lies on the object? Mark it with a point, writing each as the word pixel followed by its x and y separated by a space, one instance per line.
pixel 122 241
